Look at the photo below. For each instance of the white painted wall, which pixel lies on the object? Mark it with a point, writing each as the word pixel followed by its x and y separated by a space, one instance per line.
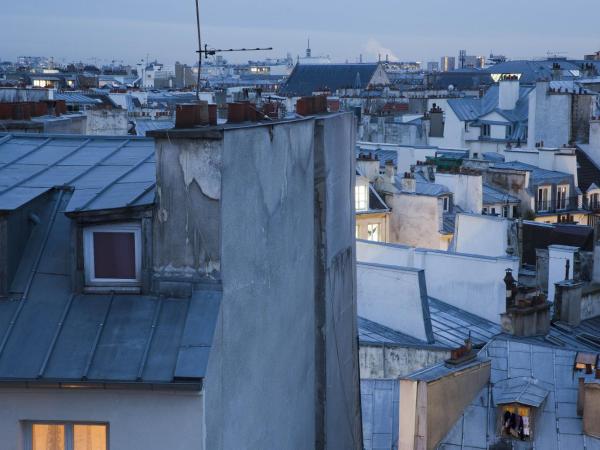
pixel 470 282
pixel 138 420
pixel 557 259
pixel 508 94
pixel 393 296
pixel 481 235
pixel 467 190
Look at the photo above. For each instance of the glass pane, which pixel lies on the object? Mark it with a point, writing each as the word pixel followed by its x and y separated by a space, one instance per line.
pixel 114 255
pixel 89 437
pixel 48 437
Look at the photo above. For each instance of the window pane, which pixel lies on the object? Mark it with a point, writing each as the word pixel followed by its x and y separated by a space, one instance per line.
pixel 89 437
pixel 114 255
pixel 48 437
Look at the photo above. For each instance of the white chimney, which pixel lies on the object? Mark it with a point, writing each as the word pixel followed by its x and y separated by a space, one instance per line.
pixel 508 92
pixel 595 134
pixel 409 184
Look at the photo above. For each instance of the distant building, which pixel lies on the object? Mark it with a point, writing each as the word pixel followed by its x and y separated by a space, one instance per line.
pixel 448 63
pixel 593 57
pixel 433 66
pixel 313 78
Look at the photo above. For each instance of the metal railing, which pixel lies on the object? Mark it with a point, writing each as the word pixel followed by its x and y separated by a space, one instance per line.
pixel 559 205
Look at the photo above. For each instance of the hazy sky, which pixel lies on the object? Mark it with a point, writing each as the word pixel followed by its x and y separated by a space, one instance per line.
pixel 420 30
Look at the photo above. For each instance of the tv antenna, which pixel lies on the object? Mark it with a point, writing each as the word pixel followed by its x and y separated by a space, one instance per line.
pixel 212 51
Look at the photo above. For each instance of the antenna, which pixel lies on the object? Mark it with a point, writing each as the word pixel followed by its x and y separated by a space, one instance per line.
pixel 212 51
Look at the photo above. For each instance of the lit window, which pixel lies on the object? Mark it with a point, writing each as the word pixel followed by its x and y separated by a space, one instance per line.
pixel 562 193
pixel 112 254
pixel 373 232
pixel 361 193
pixel 63 436
pixel 543 199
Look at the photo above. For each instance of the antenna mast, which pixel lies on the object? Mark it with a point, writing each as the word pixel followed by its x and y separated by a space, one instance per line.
pixel 199 48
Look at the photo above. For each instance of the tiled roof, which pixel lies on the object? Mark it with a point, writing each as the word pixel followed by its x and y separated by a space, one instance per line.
pixel 105 172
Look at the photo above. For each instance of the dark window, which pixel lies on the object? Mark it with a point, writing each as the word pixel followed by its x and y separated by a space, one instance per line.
pixel 114 255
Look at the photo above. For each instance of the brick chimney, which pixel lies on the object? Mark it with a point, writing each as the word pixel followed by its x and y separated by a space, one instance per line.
pixel 527 313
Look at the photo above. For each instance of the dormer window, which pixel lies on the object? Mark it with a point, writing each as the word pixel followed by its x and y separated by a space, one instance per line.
pixel 361 193
pixel 112 255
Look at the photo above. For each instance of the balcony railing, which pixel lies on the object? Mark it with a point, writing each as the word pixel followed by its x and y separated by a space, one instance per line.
pixel 559 205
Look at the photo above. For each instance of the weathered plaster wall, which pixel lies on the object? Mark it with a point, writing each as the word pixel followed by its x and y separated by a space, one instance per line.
pixel 414 220
pixel 138 420
pixel 111 122
pixel 187 222
pixel 382 362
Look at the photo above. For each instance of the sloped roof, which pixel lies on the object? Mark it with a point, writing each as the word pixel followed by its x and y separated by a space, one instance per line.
pixel 533 71
pixel 588 173
pixel 538 175
pixel 524 390
pixel 105 172
pixel 50 335
pixel 308 78
pixel 557 425
pixel 471 109
pixel 492 195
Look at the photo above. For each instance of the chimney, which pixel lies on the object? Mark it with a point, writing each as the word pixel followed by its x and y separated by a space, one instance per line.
pixel 527 313
pixel 189 115
pixel 390 171
pixel 567 302
pixel 409 183
pixel 368 165
pixel 595 135
pixel 508 94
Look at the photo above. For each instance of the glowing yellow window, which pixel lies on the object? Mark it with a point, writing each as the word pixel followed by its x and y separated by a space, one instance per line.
pixel 68 436
pixel 48 437
pixel 89 437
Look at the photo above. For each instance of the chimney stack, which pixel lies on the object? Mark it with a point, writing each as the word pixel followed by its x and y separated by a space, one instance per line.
pixel 409 183
pixel 508 95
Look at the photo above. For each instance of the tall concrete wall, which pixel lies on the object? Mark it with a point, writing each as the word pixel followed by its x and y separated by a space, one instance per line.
pixel 285 344
pixel 137 420
pixel 335 291
pixel 263 354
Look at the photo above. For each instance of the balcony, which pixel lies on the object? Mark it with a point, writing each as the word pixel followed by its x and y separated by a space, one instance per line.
pixel 559 205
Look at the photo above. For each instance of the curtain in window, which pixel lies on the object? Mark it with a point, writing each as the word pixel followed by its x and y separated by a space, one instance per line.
pixel 89 437
pixel 48 437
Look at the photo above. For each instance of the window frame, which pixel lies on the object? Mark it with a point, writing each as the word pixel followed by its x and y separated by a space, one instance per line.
pixel 69 425
pixel 358 201
pixel 446 204
pixel 374 229
pixel 88 254
pixel 562 196
pixel 545 203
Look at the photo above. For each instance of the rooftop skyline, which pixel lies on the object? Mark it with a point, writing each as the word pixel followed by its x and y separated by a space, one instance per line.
pixel 422 31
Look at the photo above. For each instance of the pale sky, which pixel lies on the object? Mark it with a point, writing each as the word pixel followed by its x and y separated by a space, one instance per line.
pixel 408 30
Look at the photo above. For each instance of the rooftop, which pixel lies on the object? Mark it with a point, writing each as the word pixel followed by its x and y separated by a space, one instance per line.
pixel 104 172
